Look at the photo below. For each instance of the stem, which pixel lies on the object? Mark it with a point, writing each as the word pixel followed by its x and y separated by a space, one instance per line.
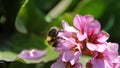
pixel 58 9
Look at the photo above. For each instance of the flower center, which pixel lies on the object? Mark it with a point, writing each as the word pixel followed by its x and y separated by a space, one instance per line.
pixel 92 38
pixel 74 48
pixel 86 51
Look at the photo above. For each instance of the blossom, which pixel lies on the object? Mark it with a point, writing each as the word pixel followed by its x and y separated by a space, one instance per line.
pixel 106 59
pixel 69 52
pixel 32 54
pixel 61 64
pixel 116 62
pixel 70 56
pixel 85 37
pixel 68 46
pixel 90 30
pixel 86 24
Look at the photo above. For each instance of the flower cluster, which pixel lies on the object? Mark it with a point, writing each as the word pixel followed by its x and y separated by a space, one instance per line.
pixel 85 38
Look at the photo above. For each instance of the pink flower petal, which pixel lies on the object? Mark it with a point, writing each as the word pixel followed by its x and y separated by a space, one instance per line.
pixel 78 65
pixel 89 18
pixel 79 22
pixel 102 36
pixel 65 34
pixel 111 50
pixel 75 57
pixel 97 63
pixel 68 28
pixel 67 56
pixel 58 64
pixel 91 46
pixel 71 56
pixel 116 62
pixel 113 46
pixel 33 54
pixel 108 64
pixel 66 45
pixel 72 62
pixel 81 37
pixel 101 47
pixel 93 27
pixel 96 25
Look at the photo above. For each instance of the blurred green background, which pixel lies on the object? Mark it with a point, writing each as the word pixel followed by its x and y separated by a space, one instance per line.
pixel 24 24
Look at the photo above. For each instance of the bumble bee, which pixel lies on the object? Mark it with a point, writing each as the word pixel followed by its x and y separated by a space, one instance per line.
pixel 52 37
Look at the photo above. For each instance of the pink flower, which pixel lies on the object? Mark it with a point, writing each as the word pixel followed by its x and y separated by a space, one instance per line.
pixel 102 36
pixel 85 38
pixel 87 24
pixel 111 50
pixel 68 46
pixel 85 35
pixel 71 56
pixel 106 59
pixel 116 62
pixel 33 54
pixel 69 50
pixel 91 33
pixel 68 28
pixel 61 64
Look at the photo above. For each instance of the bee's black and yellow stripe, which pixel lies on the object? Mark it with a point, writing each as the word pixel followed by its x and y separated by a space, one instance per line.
pixel 52 37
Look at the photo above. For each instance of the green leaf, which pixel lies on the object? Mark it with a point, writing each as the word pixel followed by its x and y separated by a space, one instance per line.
pixel 68 17
pixel 93 7
pixel 28 41
pixel 72 5
pixel 46 5
pixel 45 65
pixel 20 65
pixel 19 21
pixel 109 24
pixel 59 8
pixel 31 20
pixel 8 56
pixel 20 26
pixel 19 42
pixel 51 54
